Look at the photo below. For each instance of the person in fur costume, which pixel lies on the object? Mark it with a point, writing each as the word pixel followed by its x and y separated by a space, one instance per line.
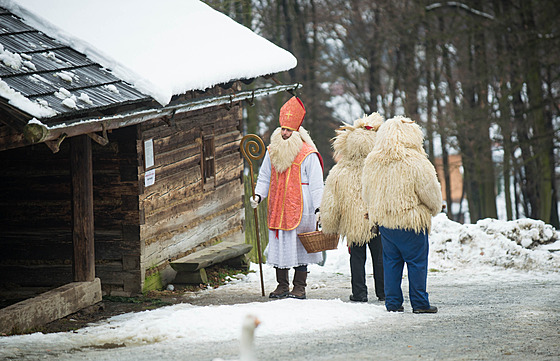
pixel 402 193
pixel 291 176
pixel 342 208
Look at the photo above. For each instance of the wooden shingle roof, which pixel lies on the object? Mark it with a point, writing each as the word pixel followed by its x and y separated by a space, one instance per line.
pixel 57 76
pixel 69 94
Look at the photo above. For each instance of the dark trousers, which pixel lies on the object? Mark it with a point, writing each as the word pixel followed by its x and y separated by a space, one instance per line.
pixel 400 247
pixel 358 255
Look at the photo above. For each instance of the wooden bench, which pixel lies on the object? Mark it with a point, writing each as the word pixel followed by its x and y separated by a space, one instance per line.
pixel 191 269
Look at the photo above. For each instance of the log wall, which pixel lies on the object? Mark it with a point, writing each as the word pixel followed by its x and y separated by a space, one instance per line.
pixel 36 215
pixel 180 213
pixel 138 229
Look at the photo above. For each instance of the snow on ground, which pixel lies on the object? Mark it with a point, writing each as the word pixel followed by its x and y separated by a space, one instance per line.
pixel 490 249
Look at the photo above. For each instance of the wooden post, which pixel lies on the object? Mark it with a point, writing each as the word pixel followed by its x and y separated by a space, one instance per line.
pixel 83 265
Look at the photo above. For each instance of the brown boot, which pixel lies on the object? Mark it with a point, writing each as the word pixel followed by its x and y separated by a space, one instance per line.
pixel 300 281
pixel 283 287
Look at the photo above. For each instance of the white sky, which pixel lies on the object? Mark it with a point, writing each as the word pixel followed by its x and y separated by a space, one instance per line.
pixel 163 47
pixel 470 252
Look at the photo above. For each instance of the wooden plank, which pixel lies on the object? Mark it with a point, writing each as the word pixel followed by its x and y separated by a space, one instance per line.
pixel 192 229
pixel 228 148
pixel 161 251
pixel 240 262
pixel 178 167
pixel 172 198
pixel 210 256
pixel 229 137
pixel 178 154
pixel 195 277
pixel 164 143
pixel 50 306
pixel 229 169
pixel 174 210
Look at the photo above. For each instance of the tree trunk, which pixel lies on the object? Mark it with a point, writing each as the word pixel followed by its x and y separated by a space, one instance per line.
pixel 543 140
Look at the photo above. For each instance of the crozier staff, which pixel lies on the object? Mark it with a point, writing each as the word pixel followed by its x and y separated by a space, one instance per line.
pixel 291 177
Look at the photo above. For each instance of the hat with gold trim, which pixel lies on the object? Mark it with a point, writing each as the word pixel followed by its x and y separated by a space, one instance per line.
pixel 292 114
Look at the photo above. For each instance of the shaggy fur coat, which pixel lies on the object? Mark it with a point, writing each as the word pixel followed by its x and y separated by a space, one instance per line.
pixel 342 208
pixel 400 185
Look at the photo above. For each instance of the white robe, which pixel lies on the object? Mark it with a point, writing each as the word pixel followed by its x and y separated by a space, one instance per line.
pixel 286 251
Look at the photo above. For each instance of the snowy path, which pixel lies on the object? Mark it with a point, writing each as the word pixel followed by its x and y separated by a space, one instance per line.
pixel 497 294
pixel 488 316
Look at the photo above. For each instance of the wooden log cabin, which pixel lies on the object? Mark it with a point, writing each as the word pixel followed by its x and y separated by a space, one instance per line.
pixel 195 199
pixel 117 188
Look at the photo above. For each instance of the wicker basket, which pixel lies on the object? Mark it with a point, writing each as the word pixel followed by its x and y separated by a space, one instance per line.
pixel 317 241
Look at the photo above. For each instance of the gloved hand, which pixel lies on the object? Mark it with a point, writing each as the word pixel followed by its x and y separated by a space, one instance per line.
pixel 318 217
pixel 255 200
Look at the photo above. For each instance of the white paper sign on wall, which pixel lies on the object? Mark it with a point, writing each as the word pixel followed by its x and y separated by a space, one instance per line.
pixel 150 177
pixel 149 153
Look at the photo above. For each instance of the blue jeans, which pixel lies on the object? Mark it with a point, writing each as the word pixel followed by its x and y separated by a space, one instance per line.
pixel 400 247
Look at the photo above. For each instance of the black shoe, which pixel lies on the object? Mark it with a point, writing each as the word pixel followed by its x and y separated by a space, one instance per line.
pixel 356 299
pixel 381 299
pixel 400 309
pixel 431 309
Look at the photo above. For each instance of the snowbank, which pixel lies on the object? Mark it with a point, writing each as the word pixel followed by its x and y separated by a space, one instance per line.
pixel 524 244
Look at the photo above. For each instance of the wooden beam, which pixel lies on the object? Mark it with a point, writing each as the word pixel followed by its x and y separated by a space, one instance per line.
pixel 209 256
pixel 13 116
pixel 49 306
pixel 196 277
pixel 37 133
pixel 83 266
pixel 54 145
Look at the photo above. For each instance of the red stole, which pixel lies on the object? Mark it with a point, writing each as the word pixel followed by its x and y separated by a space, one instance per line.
pixel 285 198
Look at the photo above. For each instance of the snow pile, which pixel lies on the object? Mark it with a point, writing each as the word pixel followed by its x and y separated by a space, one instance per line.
pixel 10 59
pixel 523 244
pixel 67 98
pixel 528 233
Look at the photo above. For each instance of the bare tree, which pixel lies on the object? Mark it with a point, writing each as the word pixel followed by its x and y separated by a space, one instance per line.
pixel 483 78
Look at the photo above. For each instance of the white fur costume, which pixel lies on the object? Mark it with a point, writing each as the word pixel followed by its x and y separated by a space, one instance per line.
pixel 342 208
pixel 400 185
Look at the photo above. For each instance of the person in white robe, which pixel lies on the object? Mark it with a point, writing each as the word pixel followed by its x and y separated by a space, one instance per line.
pixel 294 207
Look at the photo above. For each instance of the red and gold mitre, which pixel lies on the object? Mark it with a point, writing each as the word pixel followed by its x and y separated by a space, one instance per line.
pixel 292 114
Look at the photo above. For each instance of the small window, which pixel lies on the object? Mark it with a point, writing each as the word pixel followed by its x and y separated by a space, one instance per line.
pixel 208 161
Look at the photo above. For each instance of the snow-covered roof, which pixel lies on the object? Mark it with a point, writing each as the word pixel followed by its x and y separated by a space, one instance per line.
pixel 163 48
pixel 45 78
